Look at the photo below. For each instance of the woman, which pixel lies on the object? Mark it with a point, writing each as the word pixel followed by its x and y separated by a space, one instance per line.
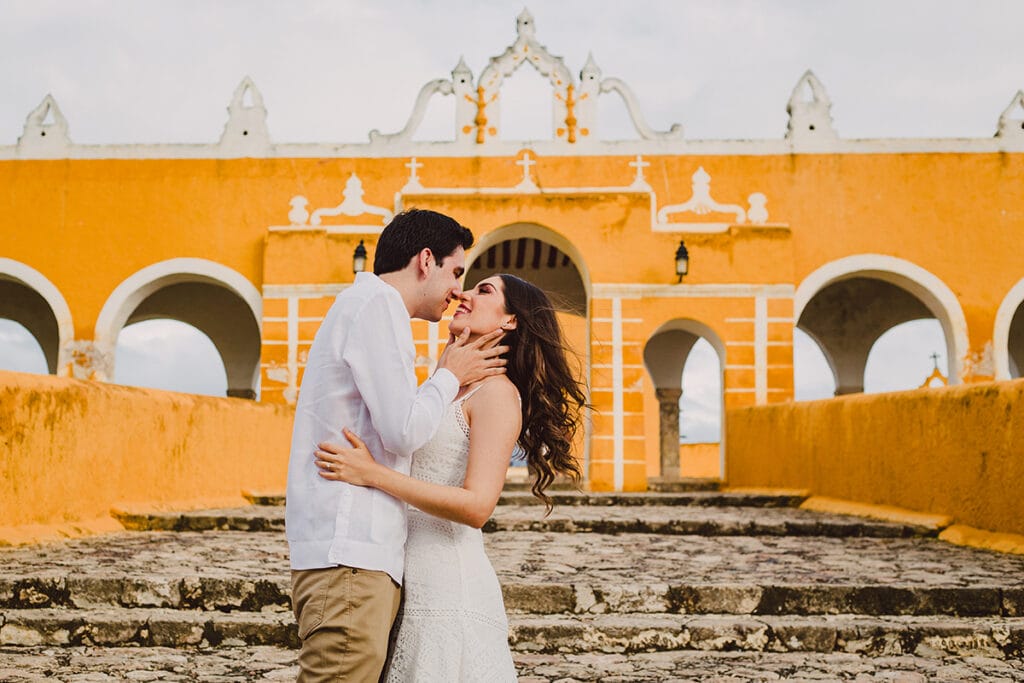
pixel 452 626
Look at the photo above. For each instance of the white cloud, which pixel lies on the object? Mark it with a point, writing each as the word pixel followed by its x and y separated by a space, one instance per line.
pixel 19 350
pixel 166 354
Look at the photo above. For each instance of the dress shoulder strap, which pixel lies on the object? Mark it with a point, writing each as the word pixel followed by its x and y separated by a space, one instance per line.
pixel 470 392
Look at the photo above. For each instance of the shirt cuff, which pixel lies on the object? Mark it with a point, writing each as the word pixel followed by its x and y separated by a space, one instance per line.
pixel 447 383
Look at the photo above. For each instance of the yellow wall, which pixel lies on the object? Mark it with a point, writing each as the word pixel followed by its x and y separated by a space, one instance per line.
pixel 73 449
pixel 87 224
pixel 956 451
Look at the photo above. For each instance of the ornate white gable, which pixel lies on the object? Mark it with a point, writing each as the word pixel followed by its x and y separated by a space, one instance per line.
pixel 809 108
pixel 573 103
pixel 46 131
pixel 245 133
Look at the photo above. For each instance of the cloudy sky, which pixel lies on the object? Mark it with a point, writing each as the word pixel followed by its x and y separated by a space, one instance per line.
pixel 330 71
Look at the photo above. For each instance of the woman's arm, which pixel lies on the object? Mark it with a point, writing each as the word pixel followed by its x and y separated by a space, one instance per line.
pixel 494 418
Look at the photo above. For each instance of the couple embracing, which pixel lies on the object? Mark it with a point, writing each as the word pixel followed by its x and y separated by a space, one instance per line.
pixel 404 505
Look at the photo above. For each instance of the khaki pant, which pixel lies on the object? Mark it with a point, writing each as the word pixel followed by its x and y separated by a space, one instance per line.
pixel 345 617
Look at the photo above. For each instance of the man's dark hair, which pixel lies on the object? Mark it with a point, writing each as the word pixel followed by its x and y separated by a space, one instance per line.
pixel 412 231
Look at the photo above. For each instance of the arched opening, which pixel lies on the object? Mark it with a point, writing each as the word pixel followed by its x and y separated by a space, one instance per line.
pixel 905 356
pixel 1008 336
pixel 216 301
pixel 171 355
pixel 847 306
pixel 37 320
pixel 548 260
pixel 23 305
pixel 685 360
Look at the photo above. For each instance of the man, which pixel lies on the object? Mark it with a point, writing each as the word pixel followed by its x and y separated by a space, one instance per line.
pixel 347 542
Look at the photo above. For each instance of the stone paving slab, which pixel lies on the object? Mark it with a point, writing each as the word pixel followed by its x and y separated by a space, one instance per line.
pixel 242 664
pixel 872 636
pixel 600 519
pixel 706 498
pixel 546 573
pixel 614 633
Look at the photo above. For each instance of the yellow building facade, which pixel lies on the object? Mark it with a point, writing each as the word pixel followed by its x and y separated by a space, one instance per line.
pixel 250 241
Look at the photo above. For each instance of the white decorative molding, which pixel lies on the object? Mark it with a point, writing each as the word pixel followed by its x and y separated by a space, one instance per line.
pixel 46 132
pixel 41 285
pixel 675 132
pixel 809 108
pixel 478 107
pixel 701 203
pixel 245 133
pixel 929 290
pixel 1011 126
pixel 1001 330
pixel 352 206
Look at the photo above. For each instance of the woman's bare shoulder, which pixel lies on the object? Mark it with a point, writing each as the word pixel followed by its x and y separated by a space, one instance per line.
pixel 496 390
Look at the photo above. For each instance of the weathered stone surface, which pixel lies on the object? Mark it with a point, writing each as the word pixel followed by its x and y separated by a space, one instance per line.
pixel 708 498
pixel 767 581
pixel 714 517
pixel 244 664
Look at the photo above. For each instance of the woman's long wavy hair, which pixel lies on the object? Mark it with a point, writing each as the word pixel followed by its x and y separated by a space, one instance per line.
pixel 553 398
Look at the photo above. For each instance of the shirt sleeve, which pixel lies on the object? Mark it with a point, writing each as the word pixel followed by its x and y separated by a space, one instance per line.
pixel 380 355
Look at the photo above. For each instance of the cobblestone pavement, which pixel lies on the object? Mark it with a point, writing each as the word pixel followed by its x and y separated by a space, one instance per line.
pixel 627 592
pixel 538 557
pixel 236 665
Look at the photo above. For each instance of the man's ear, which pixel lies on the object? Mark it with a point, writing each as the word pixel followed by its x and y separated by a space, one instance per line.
pixel 424 261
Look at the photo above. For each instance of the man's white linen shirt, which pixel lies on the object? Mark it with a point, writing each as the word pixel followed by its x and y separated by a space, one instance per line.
pixel 360 374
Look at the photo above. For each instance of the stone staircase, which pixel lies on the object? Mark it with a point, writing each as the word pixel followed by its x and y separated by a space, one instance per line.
pixel 695 584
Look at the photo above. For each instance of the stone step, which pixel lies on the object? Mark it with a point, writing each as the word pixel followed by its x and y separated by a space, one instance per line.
pixel 547 572
pixel 998 638
pixel 272 593
pixel 708 497
pixel 696 520
pixel 248 663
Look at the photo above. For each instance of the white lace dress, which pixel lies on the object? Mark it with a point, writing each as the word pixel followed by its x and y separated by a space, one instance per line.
pixel 452 625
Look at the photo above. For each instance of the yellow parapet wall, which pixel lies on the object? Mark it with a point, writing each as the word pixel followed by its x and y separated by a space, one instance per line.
pixel 955 451
pixel 72 450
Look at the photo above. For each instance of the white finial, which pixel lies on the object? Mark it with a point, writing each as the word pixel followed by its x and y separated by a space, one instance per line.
pixel 525 27
pixel 590 71
pixel 245 132
pixel 462 69
pixel 809 116
pixel 46 130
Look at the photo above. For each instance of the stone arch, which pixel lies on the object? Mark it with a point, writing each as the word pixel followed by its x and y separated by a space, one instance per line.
pixel 29 298
pixel 538 254
pixel 1008 334
pixel 215 299
pixel 846 333
pixel 665 355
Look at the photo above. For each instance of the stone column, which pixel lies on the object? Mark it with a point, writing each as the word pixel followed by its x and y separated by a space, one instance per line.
pixel 668 416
